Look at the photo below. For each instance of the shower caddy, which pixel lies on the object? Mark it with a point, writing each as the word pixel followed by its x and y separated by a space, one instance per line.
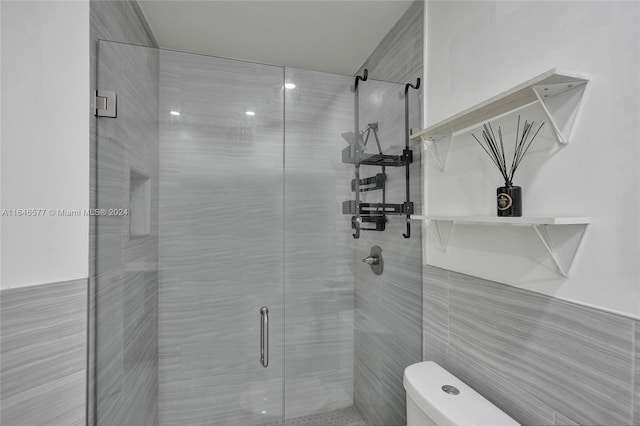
pixel 376 213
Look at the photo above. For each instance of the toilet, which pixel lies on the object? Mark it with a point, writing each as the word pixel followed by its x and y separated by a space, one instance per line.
pixel 435 397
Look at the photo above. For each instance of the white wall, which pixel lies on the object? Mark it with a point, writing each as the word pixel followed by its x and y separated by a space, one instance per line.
pixel 45 146
pixel 475 50
pixel 0 142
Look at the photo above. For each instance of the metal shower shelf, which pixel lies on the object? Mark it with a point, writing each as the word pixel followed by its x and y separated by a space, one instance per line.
pixel 349 207
pixel 348 156
pixel 365 214
pixel 372 183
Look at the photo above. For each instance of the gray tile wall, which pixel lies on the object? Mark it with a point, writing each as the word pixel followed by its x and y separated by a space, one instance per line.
pixel 387 308
pixel 399 56
pixel 539 359
pixel 117 21
pixel 126 265
pixel 318 268
pixel 43 341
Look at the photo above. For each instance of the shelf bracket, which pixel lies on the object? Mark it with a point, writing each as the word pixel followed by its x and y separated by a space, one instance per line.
pixel 563 263
pixel 439 155
pixel 561 104
pixel 440 230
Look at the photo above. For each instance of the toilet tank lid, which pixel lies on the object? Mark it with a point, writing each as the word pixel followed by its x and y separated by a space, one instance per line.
pixel 424 381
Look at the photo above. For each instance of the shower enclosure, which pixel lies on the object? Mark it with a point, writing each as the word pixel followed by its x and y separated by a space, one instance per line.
pixel 219 188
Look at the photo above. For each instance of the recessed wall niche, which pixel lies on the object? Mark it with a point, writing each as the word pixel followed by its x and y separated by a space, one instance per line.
pixel 139 204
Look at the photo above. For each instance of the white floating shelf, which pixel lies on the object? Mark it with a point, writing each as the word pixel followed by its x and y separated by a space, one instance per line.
pixel 522 221
pixel 440 227
pixel 554 90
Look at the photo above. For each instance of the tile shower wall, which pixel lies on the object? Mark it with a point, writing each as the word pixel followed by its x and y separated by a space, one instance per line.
pixel 121 21
pixel 221 228
pixel 387 307
pixel 43 351
pixel 539 359
pixel 318 267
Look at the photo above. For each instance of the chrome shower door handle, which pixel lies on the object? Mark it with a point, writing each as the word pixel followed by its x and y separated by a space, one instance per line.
pixel 264 336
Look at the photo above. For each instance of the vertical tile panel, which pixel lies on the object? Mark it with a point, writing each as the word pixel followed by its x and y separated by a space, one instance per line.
pixel 388 309
pixel 118 21
pixel 140 348
pixel 109 335
pixel 399 55
pixel 433 349
pixel 367 375
pixel 435 293
pixel 392 302
pixel 91 346
pixel 126 265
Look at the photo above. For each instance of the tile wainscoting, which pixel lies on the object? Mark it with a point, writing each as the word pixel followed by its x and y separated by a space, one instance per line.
pixel 540 359
pixel 43 337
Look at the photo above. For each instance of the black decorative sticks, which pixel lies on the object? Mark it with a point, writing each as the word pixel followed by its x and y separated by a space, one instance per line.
pixel 496 151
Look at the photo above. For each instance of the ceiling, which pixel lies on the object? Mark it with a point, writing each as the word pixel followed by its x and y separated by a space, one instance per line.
pixel 325 35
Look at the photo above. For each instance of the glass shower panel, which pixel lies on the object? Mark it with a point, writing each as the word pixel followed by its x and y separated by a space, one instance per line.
pixel 388 307
pixel 318 245
pixel 126 238
pixel 221 240
pixel 196 155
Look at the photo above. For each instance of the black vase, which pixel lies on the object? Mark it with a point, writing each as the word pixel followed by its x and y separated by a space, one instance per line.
pixel 509 200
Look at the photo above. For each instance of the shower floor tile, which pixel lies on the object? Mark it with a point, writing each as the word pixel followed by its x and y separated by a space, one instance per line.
pixel 345 417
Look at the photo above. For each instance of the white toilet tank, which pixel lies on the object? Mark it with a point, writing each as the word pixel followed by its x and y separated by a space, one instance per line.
pixel 435 397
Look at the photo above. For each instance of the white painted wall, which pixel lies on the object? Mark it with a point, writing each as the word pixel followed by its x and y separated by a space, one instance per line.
pixel 475 50
pixel 45 146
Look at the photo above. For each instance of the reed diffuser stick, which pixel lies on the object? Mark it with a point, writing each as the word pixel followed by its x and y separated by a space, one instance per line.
pixel 494 147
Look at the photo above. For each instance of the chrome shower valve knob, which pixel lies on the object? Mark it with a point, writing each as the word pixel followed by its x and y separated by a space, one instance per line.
pixel 374 260
pixel 371 260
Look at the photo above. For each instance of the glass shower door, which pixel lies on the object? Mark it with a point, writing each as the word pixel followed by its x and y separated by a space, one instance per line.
pixel 221 240
pixel 319 269
pixel 196 156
